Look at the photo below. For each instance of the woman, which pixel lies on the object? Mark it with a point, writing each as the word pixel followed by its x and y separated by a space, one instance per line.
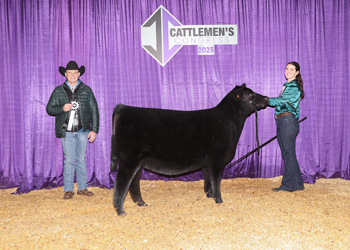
pixel 287 114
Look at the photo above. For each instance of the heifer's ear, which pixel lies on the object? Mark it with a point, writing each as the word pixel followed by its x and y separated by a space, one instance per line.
pixel 236 87
pixel 239 92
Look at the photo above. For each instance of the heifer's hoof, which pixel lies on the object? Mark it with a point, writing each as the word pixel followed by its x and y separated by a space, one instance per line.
pixel 218 200
pixel 121 212
pixel 141 204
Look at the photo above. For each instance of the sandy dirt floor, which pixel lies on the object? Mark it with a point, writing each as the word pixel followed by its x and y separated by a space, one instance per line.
pixel 180 216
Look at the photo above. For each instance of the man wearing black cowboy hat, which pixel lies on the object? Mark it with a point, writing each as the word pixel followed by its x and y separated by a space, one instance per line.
pixel 76 121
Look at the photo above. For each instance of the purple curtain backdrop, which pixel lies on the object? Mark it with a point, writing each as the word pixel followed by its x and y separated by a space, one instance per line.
pixel 39 36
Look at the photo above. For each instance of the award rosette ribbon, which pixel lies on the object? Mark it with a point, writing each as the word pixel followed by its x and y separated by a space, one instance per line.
pixel 73 118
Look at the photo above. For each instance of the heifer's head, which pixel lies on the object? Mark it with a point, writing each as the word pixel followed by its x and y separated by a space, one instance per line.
pixel 249 100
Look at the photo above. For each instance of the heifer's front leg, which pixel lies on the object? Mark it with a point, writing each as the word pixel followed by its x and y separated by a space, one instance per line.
pixel 123 179
pixel 207 183
pixel 215 178
pixel 134 189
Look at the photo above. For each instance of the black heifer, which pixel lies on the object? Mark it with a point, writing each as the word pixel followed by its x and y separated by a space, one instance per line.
pixel 173 142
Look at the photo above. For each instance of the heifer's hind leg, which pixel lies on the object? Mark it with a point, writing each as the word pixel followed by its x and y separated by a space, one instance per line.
pixel 134 189
pixel 123 179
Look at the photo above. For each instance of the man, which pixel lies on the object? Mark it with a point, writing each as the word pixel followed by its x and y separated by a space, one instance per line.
pixel 76 120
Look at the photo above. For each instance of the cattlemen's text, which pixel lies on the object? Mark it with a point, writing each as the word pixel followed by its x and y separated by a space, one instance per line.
pixel 201 31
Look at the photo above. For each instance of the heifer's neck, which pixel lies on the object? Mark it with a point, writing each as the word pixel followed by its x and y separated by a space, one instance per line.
pixel 234 108
pixel 235 111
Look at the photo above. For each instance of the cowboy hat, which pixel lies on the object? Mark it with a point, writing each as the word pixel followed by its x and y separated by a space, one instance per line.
pixel 71 65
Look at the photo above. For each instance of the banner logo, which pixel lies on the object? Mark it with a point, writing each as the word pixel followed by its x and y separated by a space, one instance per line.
pixel 162 35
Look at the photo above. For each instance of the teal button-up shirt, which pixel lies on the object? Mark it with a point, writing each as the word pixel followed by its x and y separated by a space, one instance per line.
pixel 290 94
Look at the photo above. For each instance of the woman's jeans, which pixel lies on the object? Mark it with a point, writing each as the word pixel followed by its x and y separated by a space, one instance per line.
pixel 287 131
pixel 74 149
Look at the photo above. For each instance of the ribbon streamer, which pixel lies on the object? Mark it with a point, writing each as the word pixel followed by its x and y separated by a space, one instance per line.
pixel 71 119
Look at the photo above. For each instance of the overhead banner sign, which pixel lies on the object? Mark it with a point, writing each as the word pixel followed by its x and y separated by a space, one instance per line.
pixel 162 35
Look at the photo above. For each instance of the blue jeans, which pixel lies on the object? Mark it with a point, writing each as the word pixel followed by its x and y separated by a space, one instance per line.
pixel 74 149
pixel 287 131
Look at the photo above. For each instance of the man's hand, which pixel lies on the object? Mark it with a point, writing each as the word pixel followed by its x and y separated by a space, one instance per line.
pixel 92 136
pixel 67 107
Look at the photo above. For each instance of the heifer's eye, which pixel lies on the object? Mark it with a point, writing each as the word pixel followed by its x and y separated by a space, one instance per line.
pixel 248 95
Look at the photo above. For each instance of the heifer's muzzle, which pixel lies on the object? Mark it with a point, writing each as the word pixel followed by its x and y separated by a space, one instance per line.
pixel 261 102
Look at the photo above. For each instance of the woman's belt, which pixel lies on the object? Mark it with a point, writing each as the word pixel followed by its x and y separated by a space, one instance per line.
pixel 283 114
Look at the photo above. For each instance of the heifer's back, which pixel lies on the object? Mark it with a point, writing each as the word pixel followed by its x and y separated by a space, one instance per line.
pixel 176 142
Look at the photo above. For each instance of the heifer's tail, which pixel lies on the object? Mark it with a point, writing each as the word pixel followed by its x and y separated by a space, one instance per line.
pixel 114 160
